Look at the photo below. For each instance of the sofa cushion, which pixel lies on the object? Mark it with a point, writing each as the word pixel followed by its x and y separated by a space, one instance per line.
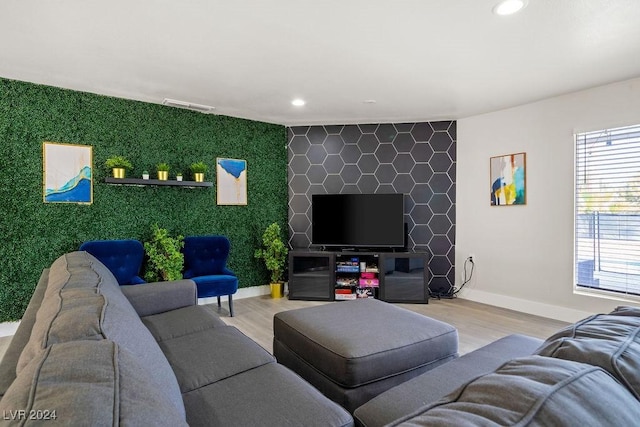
pixel 284 399
pixel 81 287
pixel 539 391
pixel 88 383
pixel 205 357
pixel 611 341
pixel 183 321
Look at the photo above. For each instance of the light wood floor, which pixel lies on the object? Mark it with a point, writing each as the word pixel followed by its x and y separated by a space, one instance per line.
pixel 477 324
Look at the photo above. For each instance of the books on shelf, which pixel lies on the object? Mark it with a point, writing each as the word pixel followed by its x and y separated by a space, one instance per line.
pixel 344 297
pixel 346 281
pixel 357 278
pixel 365 293
pixel 363 282
pixel 347 269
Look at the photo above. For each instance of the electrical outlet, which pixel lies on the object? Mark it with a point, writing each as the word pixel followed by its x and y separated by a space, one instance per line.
pixel 472 258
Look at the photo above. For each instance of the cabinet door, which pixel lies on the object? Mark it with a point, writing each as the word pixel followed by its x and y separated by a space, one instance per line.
pixel 311 276
pixel 404 277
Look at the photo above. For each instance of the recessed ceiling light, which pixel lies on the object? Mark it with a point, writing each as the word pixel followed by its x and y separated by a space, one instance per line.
pixel 298 102
pixel 509 7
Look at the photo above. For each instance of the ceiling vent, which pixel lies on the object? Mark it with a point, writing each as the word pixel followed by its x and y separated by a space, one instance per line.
pixel 188 106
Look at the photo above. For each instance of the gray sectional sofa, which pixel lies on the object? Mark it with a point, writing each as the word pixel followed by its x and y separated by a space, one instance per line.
pixel 89 352
pixel 587 374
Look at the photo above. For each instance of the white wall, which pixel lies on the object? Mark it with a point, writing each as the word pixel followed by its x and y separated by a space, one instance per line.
pixel 524 254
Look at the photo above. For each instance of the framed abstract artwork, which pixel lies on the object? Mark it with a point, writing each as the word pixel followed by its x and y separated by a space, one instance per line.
pixel 67 173
pixel 508 179
pixel 231 178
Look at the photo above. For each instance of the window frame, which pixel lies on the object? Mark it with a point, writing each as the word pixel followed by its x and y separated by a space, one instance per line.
pixel 620 134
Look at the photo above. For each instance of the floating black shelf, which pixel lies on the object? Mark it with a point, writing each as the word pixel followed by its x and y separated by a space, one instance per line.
pixel 157 182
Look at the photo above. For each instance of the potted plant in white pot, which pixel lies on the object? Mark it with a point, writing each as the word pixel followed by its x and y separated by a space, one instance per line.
pixel 274 253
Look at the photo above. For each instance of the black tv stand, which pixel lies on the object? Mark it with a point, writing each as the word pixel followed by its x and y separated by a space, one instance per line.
pixel 327 275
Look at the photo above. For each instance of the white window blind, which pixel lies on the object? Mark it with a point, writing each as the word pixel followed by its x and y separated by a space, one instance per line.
pixel 607 210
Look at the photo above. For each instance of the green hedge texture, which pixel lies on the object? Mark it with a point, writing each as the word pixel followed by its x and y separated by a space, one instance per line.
pixel 36 233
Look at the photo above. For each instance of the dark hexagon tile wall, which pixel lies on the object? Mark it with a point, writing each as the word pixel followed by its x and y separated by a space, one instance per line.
pixel 417 159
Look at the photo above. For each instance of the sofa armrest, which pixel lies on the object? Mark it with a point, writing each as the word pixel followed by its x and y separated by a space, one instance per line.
pixel 158 297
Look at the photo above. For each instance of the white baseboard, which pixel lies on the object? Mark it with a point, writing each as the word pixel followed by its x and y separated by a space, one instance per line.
pixel 525 306
pixel 253 291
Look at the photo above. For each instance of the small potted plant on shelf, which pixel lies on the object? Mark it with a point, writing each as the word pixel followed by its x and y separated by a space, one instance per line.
pixel 118 165
pixel 145 174
pixel 163 171
pixel 179 176
pixel 198 169
pixel 166 260
pixel 274 253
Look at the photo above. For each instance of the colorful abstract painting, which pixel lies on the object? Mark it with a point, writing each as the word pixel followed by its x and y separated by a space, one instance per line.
pixel 508 180
pixel 231 175
pixel 67 173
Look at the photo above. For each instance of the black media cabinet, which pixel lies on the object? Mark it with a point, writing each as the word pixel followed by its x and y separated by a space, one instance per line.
pixel 333 276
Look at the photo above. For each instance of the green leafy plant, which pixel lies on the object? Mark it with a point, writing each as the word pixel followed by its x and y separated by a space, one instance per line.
pixel 199 167
pixel 118 162
pixel 165 259
pixel 162 167
pixel 273 252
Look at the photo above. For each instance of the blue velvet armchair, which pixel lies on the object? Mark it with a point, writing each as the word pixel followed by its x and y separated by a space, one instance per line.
pixel 122 257
pixel 205 262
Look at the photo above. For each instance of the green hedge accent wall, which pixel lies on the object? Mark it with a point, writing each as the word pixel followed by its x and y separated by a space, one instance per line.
pixel 35 233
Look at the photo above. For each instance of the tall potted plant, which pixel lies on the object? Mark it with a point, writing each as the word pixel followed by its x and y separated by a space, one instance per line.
pixel 274 253
pixel 118 165
pixel 166 261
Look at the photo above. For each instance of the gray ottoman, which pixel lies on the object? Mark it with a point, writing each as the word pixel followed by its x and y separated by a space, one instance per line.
pixel 354 350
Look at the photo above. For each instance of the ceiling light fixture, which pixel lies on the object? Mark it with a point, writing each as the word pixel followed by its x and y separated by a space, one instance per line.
pixel 509 7
pixel 298 102
pixel 206 109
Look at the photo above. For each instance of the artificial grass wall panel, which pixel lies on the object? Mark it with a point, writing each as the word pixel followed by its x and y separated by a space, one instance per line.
pixel 35 233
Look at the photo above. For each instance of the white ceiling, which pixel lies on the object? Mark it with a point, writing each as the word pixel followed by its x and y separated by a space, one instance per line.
pixel 418 59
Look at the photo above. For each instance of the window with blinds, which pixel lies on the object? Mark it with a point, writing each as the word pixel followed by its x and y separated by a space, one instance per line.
pixel 607 210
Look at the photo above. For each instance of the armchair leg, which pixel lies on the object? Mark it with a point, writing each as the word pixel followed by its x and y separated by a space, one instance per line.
pixel 219 301
pixel 230 305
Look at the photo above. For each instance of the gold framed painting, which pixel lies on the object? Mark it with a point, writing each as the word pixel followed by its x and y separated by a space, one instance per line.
pixel 231 180
pixel 67 171
pixel 508 179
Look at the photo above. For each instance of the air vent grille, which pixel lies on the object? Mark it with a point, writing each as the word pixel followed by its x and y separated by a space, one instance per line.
pixel 206 109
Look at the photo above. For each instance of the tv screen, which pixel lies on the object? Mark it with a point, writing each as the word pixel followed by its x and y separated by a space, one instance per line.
pixel 358 220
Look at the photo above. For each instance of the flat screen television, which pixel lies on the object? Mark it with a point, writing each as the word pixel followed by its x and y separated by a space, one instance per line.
pixel 358 220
